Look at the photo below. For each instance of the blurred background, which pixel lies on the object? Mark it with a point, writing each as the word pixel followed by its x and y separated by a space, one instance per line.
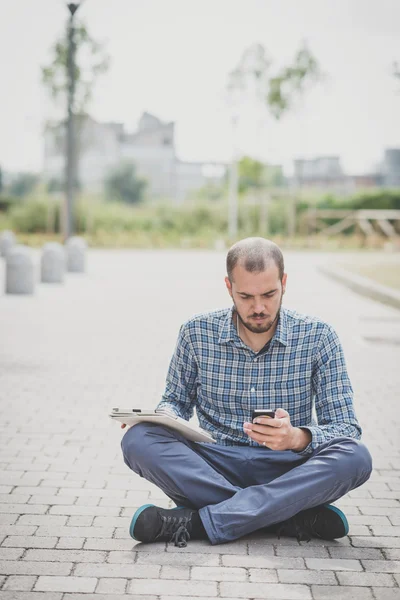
pixel 189 124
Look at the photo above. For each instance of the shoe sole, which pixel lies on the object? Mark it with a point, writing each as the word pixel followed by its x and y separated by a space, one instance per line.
pixel 341 515
pixel 135 518
pixel 137 515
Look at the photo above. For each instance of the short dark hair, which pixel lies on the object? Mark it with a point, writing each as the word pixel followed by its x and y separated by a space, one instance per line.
pixel 255 255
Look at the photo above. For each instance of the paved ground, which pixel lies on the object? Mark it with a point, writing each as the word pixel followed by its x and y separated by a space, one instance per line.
pixel 71 352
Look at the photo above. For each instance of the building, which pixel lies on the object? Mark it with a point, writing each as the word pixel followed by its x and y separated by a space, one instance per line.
pixel 104 146
pixel 391 167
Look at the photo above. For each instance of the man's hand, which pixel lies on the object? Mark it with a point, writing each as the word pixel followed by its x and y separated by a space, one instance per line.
pixel 278 433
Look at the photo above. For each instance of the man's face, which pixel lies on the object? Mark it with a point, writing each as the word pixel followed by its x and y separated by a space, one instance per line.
pixel 257 296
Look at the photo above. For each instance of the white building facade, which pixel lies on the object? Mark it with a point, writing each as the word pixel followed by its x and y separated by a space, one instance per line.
pixel 102 147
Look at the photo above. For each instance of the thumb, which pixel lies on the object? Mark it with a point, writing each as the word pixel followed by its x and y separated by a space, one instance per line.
pixel 281 414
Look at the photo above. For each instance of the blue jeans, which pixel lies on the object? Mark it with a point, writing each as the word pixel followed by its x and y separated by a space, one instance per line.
pixel 239 489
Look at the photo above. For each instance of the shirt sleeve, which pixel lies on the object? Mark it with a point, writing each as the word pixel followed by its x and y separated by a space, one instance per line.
pixel 182 377
pixel 333 395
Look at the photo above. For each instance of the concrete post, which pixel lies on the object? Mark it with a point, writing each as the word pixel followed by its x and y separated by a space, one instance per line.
pixel 7 241
pixel 53 263
pixel 19 271
pixel 76 254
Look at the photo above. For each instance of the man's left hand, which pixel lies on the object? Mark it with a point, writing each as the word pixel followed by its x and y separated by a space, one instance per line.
pixel 278 433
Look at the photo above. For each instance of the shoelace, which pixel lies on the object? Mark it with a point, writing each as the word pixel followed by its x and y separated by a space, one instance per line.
pixel 302 525
pixel 176 527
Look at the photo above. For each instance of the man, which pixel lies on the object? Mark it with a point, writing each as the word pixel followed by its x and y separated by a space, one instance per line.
pixel 281 473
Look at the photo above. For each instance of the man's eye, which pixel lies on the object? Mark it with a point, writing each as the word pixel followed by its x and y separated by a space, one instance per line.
pixel 269 295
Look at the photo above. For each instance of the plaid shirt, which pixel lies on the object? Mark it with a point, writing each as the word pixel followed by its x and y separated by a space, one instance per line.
pixel 303 368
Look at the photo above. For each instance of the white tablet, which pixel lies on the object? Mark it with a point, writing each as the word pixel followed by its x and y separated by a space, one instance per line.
pixel 133 416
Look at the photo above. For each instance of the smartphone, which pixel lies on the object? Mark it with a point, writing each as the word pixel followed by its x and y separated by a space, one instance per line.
pixel 262 412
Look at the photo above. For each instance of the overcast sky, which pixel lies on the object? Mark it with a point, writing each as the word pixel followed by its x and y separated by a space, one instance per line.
pixel 172 57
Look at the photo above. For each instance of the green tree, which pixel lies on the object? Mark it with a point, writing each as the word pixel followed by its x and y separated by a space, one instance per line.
pixel 256 175
pixel 91 61
pixel 23 184
pixel 123 184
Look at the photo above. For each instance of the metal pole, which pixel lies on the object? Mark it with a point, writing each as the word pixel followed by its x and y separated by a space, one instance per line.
pixel 70 174
pixel 233 189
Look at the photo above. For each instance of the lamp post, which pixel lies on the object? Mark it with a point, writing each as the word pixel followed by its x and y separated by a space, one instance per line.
pixel 234 92
pixel 70 163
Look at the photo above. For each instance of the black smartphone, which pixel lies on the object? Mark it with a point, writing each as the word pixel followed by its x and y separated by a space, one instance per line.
pixel 262 412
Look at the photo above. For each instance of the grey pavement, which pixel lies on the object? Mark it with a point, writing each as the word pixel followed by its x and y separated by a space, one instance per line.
pixel 71 352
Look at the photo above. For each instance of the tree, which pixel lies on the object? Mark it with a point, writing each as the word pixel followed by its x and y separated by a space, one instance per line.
pixel 123 184
pixel 23 184
pixel 91 60
pixel 274 93
pixel 256 175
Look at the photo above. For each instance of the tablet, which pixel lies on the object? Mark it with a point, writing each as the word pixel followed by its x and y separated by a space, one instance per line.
pixel 133 416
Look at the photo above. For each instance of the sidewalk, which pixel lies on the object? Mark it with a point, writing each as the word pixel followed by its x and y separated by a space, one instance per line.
pixel 104 339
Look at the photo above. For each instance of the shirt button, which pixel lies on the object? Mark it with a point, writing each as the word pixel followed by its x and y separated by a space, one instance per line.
pixel 253 390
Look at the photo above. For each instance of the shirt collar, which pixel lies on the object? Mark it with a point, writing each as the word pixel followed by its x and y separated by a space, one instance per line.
pixel 228 332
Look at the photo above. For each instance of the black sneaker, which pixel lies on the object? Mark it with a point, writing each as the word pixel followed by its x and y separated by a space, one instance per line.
pixel 153 524
pixel 326 522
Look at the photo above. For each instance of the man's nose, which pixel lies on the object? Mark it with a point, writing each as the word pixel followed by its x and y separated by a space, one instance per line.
pixel 259 306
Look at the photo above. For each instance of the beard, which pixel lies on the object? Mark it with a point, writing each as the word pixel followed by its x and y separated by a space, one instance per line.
pixel 262 327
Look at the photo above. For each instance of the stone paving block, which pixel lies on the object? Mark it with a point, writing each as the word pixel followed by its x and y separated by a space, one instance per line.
pixel 272 591
pixel 381 566
pixel 78 556
pixel 167 558
pixel 61 531
pixel 303 551
pixel 66 584
pixel 170 587
pixel 124 571
pixel 392 553
pixel 356 553
pixel 52 500
pixel 111 586
pixel 104 511
pixel 21 583
pixel 306 576
pixel 386 593
pixel 8 519
pixel 366 579
pixel 108 544
pixel 11 553
pixel 206 548
pixel 18 529
pixel 97 596
pixel 376 542
pixel 224 574
pixel 330 592
pixel 70 543
pixel 8 567
pixel 30 595
pixel 380 530
pixel 263 562
pixel 31 509
pixel 20 541
pixel 80 521
pixel 171 572
pixel 120 522
pixel 49 520
pixel 333 564
pixel 14 498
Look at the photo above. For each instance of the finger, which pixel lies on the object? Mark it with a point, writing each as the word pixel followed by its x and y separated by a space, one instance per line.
pixel 123 425
pixel 265 422
pixel 281 413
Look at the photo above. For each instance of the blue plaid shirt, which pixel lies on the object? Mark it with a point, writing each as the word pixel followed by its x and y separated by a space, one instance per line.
pixel 303 368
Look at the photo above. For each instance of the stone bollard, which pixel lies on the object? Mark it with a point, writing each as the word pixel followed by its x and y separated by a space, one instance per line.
pixel 52 265
pixel 19 271
pixel 76 254
pixel 7 241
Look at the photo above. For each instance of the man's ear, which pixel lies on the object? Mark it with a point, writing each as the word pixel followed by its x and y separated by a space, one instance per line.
pixel 284 279
pixel 228 285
